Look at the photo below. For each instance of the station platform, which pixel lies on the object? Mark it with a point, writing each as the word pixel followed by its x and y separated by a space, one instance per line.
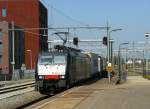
pixel 134 94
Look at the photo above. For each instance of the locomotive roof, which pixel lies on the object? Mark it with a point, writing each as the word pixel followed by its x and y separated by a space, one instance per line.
pixel 61 50
pixel 66 49
pixel 72 53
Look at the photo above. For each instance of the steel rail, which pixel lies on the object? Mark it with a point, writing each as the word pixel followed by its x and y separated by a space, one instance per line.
pixel 15 88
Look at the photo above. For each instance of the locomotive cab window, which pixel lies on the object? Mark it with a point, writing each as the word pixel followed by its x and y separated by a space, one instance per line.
pixel 59 59
pixel 46 60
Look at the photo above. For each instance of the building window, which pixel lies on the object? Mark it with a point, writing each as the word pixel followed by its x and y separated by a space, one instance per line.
pixel 1 46
pixel 0 38
pixel 1 58
pixel 4 12
pixel 0 33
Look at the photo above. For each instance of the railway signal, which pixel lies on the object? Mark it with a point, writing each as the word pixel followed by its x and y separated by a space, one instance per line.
pixel 105 41
pixel 75 41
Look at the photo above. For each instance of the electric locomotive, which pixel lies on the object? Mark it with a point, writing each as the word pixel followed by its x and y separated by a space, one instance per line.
pixel 63 67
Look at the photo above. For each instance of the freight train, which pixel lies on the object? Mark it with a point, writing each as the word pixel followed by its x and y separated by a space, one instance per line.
pixel 64 67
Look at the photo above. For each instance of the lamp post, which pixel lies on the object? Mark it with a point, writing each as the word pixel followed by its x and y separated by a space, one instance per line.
pixel 30 57
pixel 119 60
pixel 146 49
pixel 13 52
pixel 109 49
pixel 109 44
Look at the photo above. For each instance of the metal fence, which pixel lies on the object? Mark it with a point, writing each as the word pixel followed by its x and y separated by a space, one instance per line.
pixel 19 74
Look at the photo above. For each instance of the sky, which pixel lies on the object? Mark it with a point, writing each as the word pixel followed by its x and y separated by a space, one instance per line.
pixel 133 16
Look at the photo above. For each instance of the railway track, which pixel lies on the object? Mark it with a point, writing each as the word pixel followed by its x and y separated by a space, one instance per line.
pixel 16 89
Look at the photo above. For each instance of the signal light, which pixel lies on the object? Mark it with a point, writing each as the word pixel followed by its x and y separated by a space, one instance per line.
pixel 75 41
pixel 105 40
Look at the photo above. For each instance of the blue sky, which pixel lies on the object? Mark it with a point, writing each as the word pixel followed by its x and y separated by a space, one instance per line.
pixel 133 16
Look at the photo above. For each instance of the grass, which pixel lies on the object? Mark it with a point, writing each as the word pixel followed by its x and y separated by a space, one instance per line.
pixel 147 76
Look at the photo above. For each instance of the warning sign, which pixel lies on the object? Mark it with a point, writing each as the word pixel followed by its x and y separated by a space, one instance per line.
pixel 109 64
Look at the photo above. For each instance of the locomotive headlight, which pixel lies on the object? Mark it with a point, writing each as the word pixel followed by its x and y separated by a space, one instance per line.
pixel 40 77
pixel 62 76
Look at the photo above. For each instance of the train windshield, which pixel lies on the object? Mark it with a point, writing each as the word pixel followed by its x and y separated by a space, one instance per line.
pixel 56 59
pixel 59 59
pixel 46 60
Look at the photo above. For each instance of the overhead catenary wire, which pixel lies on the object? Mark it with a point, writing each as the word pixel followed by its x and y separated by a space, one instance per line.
pixel 64 14
pixel 28 30
pixel 58 28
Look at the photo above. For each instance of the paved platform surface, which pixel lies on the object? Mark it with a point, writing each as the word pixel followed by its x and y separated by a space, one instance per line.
pixel 135 94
